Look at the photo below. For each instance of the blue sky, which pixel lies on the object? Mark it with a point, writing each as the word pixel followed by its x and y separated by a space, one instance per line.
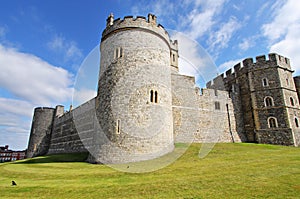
pixel 43 43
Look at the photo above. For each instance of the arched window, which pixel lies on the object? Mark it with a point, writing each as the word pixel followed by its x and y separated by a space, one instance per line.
pixel 292 101
pixel 272 121
pixel 265 82
pixel 269 101
pixel 296 122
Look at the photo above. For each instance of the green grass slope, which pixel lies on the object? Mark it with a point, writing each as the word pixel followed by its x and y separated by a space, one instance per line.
pixel 229 171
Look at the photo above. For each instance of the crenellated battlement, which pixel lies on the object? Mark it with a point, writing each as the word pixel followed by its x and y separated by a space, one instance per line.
pixel 130 22
pixel 274 60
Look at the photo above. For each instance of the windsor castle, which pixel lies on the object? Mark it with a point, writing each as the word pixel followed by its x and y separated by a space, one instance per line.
pixel 144 106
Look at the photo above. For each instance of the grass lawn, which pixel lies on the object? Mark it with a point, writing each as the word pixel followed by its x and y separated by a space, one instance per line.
pixel 229 171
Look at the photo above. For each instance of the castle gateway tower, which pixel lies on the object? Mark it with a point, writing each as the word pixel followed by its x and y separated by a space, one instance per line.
pixel 134 100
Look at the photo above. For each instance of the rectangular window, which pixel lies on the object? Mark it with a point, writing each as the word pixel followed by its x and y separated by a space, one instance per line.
pixel 216 92
pixel 151 96
pixel 118 53
pixel 217 106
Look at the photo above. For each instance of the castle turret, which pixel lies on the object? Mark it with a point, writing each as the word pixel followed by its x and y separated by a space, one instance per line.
pixel 41 129
pixel 134 91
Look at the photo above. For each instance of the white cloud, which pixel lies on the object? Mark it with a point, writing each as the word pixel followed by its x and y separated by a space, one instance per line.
pixel 284 31
pixel 289 46
pixel 262 9
pixel 57 43
pixel 27 82
pixel 83 95
pixel 195 18
pixel 163 7
pixel 228 65
pixel 2 32
pixel 285 16
pixel 194 60
pixel 15 122
pixel 220 38
pixel 69 49
pixel 28 77
pixel 247 43
pixel 16 107
pixel 202 17
pixel 236 7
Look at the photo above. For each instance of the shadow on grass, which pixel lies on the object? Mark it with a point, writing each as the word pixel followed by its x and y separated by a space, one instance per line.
pixel 71 157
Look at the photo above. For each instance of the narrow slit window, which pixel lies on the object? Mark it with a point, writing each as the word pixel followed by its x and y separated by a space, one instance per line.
pixel 155 97
pixel 117 53
pixel 118 126
pixel 151 96
pixel 173 57
pixel 292 101
pixel 121 52
pixel 296 122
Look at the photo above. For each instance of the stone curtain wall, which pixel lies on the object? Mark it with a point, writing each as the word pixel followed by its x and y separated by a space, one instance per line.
pixel 195 116
pixel 186 114
pixel 74 131
pixel 216 125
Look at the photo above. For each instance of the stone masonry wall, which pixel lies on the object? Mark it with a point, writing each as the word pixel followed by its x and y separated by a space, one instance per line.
pixel 196 118
pixel 74 131
pixel 186 115
pixel 40 134
pixel 246 87
pixel 137 128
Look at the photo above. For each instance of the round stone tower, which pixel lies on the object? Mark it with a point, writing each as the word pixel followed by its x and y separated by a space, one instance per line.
pixel 40 134
pixel 134 101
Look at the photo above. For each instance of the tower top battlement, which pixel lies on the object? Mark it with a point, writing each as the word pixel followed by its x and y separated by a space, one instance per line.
pixel 139 22
pixel 274 60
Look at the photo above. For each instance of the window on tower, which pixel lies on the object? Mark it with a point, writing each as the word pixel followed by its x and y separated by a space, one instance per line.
pixel 272 122
pixel 118 52
pixel 269 101
pixel 296 122
pixel 217 106
pixel 118 131
pixel 153 96
pixel 292 101
pixel 265 82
